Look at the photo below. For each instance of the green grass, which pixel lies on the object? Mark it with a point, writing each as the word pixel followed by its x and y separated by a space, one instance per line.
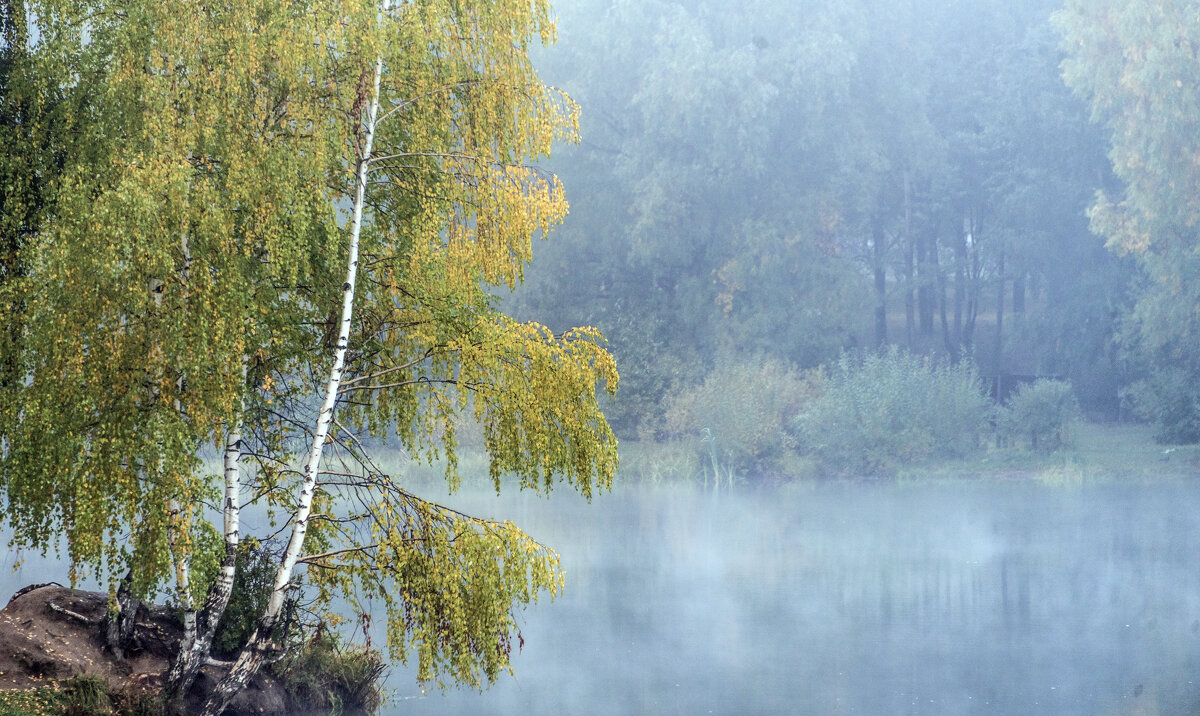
pixel 81 695
pixel 1130 451
pixel 46 701
pixel 1098 453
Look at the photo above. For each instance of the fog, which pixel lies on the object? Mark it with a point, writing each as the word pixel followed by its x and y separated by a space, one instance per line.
pixel 935 598
pixel 844 598
pixel 850 598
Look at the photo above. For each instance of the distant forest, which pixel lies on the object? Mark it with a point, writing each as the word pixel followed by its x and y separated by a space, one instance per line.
pixel 780 182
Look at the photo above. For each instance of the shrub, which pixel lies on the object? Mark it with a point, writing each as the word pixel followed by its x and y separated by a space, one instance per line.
pixel 1042 412
pixel 743 408
pixel 1170 399
pixel 326 676
pixel 252 585
pixel 871 413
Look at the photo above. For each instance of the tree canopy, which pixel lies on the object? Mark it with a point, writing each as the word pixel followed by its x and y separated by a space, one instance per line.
pixel 268 205
pixel 785 181
pixel 1135 63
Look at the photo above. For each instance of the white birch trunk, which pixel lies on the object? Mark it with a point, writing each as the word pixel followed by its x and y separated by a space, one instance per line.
pixel 195 647
pixel 254 653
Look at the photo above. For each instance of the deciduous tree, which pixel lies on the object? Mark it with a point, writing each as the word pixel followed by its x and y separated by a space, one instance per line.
pixel 1135 62
pixel 280 206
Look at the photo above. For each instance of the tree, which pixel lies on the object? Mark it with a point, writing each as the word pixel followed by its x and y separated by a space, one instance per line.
pixel 282 205
pixel 707 226
pixel 34 138
pixel 1136 65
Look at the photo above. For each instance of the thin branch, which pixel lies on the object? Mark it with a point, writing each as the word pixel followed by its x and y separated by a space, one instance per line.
pixel 312 558
pixel 378 374
pixel 405 383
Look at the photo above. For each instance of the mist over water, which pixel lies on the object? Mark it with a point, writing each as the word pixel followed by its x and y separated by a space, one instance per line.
pixel 944 598
pixel 873 599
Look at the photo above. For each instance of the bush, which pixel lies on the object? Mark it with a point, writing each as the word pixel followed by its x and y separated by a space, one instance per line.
pixel 1170 399
pixel 252 585
pixel 1042 412
pixel 743 408
pixel 327 677
pixel 871 413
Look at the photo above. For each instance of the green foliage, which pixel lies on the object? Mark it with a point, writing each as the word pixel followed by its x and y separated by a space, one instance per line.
pixel 327 676
pixel 1134 62
pixel 1170 399
pixel 252 586
pixel 744 408
pixel 1160 340
pixel 1042 413
pixel 87 695
pixel 872 413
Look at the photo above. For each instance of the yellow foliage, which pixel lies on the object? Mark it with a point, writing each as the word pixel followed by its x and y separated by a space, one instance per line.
pixel 195 264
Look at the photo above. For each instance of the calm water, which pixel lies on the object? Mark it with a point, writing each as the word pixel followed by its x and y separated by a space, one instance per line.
pixel 931 599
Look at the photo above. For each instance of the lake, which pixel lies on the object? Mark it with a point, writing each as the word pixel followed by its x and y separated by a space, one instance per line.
pixel 948 598
pixel 941 598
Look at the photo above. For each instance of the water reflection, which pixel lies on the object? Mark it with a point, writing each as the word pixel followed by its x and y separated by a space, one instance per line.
pixel 924 599
pixel 891 599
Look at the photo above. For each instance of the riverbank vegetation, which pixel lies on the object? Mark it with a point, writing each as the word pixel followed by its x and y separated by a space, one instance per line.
pixel 825 240
pixel 866 417
pixel 1099 452
pixel 772 184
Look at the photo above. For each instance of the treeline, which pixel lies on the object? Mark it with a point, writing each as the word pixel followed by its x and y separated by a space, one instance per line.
pixel 787 181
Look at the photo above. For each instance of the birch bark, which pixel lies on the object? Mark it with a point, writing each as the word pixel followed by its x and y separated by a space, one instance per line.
pixel 203 628
pixel 254 654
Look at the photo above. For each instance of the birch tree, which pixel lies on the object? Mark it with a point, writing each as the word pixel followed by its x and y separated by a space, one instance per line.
pixel 283 205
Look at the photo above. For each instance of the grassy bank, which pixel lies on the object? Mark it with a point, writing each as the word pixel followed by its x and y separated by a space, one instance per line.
pixel 1097 452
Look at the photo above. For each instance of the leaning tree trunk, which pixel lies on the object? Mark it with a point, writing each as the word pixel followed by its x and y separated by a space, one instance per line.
pixel 259 646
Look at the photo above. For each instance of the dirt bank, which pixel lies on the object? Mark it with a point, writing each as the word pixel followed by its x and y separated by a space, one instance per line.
pixel 49 633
